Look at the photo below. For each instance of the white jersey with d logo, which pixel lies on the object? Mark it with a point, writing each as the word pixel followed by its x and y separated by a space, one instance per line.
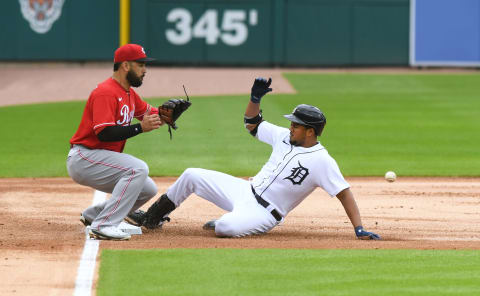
pixel 293 172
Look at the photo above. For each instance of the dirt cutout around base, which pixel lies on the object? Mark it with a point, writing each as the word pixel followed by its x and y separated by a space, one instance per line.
pixel 25 84
pixel 42 238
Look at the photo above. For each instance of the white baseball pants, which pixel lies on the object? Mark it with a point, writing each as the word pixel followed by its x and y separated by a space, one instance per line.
pixel 232 194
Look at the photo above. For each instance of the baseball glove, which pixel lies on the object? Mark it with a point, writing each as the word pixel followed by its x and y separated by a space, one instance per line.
pixel 171 110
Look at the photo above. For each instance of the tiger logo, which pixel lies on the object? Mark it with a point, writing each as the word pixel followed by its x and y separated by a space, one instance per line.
pixel 41 14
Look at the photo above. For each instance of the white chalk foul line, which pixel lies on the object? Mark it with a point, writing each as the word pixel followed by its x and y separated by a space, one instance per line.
pixel 86 269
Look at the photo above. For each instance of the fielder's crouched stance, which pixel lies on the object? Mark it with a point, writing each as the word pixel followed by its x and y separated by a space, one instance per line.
pixel 96 157
pixel 297 165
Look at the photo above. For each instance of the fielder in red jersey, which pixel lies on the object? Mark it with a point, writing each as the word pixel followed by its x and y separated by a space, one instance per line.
pixel 109 105
pixel 96 159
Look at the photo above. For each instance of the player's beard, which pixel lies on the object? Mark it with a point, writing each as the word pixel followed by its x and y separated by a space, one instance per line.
pixel 133 79
pixel 293 142
pixel 297 142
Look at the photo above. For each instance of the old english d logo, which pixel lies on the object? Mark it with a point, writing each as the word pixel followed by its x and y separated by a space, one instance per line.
pixel 298 175
pixel 41 14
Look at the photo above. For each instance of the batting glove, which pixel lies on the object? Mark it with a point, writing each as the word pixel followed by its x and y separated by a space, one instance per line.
pixel 260 87
pixel 366 235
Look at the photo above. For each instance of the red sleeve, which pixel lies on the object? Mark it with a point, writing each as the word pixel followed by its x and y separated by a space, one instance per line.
pixel 104 108
pixel 153 110
pixel 141 107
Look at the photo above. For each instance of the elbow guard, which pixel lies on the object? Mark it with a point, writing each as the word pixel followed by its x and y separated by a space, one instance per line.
pixel 256 120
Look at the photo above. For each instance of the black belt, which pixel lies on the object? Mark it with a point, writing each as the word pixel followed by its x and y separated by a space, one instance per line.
pixel 265 204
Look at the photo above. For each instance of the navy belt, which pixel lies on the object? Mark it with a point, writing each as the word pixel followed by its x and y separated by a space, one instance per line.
pixel 265 204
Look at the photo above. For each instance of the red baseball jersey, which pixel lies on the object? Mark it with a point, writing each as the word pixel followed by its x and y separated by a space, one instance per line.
pixel 109 104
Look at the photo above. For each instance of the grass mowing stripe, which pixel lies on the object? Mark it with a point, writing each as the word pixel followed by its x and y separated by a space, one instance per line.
pixel 289 272
pixel 417 125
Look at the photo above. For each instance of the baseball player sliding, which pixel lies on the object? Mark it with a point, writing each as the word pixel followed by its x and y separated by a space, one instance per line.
pixel 298 164
pixel 96 159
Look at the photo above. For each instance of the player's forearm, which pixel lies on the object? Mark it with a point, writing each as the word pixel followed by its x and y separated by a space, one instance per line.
pixel 251 115
pixel 119 133
pixel 350 206
pixel 252 109
pixel 260 88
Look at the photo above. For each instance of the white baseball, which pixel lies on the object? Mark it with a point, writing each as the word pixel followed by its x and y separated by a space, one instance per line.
pixel 390 176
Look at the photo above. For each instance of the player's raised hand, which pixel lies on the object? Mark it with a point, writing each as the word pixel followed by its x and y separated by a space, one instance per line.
pixel 151 122
pixel 260 87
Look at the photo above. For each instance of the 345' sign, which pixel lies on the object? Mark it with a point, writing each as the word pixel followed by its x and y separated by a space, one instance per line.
pixel 233 30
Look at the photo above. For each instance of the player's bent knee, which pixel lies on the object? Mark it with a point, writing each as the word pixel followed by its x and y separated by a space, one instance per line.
pixel 191 172
pixel 191 175
pixel 150 188
pixel 141 169
pixel 224 229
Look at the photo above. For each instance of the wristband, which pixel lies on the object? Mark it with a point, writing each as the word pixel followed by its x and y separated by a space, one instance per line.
pixel 253 120
pixel 254 99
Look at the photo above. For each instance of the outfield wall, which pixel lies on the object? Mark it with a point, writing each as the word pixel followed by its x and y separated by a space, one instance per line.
pixel 214 32
pixel 68 30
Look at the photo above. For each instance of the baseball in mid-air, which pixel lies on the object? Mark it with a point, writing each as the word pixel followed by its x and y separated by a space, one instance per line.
pixel 390 176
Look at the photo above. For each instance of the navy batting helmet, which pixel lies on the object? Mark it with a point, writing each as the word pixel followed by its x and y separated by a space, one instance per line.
pixel 310 116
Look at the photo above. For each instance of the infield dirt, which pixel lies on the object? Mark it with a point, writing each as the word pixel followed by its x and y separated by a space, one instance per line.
pixel 41 238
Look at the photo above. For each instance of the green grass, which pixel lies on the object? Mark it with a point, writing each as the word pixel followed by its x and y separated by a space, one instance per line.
pixel 416 125
pixel 289 272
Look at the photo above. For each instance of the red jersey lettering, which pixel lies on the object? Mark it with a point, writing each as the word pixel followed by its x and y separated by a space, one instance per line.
pixel 109 104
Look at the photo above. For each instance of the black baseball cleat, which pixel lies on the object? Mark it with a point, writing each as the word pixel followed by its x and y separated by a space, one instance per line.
pixel 136 218
pixel 158 212
pixel 139 218
pixel 210 225
pixel 85 221
pixel 153 224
